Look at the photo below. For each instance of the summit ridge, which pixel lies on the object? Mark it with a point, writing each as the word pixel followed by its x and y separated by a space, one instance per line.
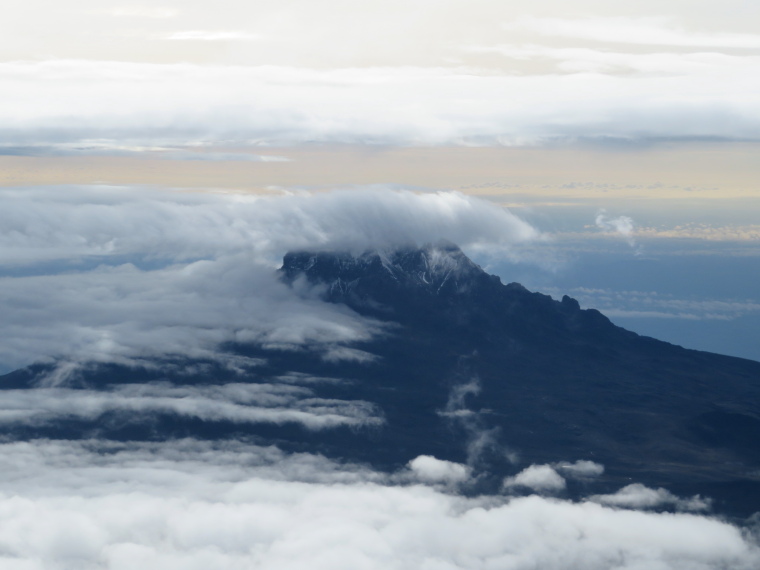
pixel 438 282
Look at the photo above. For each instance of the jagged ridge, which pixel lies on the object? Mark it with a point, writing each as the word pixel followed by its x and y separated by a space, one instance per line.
pixel 438 283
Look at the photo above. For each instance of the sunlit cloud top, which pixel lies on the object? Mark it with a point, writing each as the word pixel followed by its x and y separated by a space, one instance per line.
pixel 643 31
pixel 398 73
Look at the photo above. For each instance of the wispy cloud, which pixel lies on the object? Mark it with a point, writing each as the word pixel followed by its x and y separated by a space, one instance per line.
pixel 703 231
pixel 638 496
pixel 212 36
pixel 127 273
pixel 604 61
pixel 641 31
pixel 621 225
pixel 651 304
pixel 86 148
pixel 237 403
pixel 155 12
pixel 70 101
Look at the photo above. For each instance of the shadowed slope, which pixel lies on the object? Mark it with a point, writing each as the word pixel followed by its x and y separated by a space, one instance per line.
pixel 468 370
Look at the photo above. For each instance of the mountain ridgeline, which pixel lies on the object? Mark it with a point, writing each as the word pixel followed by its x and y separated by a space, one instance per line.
pixel 549 380
pixel 439 285
pixel 468 369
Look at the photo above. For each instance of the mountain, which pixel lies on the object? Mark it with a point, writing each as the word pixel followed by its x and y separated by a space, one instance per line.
pixel 555 382
pixel 465 369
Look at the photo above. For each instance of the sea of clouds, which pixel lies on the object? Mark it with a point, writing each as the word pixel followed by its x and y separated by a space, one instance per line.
pixel 197 505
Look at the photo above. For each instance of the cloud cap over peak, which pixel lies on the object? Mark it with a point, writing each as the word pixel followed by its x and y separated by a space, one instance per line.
pixel 129 273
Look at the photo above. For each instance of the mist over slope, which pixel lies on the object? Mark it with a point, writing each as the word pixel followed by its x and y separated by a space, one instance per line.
pixel 379 407
pixel 460 367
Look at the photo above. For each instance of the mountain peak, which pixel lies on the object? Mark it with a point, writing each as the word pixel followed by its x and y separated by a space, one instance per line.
pixel 439 285
pixel 439 268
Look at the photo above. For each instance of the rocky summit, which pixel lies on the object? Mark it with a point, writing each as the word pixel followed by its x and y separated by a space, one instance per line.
pixel 438 284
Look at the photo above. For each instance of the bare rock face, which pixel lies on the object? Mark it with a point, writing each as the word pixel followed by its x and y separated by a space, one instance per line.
pixel 548 379
pixel 440 285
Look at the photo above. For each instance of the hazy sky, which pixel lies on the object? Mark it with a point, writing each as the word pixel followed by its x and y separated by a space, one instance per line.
pixel 623 133
pixel 340 33
pixel 420 72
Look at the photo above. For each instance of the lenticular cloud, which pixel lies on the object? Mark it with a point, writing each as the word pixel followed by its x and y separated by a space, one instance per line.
pixel 196 505
pixel 123 274
pixel 45 224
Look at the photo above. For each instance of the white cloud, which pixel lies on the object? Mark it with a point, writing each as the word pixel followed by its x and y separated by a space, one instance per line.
pixel 156 12
pixel 541 478
pixel 642 31
pixel 581 469
pixel 479 438
pixel 702 231
pixel 123 313
pixel 613 312
pixel 652 304
pixel 90 148
pixel 429 469
pixel 212 36
pixel 60 101
pixel 217 156
pixel 229 505
pixel 622 225
pixel 238 403
pixel 69 223
pixel 598 61
pixel 638 496
pixel 126 273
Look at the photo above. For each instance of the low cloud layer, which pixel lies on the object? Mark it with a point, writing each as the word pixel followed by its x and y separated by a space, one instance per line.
pixel 638 496
pixel 651 304
pixel 231 402
pixel 123 274
pixel 195 505
pixel 652 31
pixel 150 153
pixel 586 94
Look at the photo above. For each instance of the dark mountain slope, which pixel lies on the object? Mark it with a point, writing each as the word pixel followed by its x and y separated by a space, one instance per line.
pixel 480 372
pixel 556 381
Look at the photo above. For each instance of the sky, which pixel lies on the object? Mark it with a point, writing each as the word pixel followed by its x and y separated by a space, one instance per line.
pixel 158 159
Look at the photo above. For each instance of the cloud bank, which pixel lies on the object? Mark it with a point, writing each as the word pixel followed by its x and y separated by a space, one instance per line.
pixel 653 304
pixel 196 505
pixel 655 31
pixel 123 274
pixel 230 402
pixel 660 96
